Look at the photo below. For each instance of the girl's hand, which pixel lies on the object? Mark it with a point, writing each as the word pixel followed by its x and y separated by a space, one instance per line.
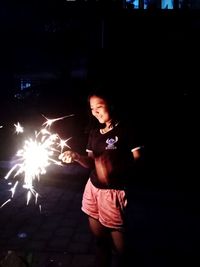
pixel 69 156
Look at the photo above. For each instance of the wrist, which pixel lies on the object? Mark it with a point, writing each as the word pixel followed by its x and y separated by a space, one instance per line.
pixel 76 157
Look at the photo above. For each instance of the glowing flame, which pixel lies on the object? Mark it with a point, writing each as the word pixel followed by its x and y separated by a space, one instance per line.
pixel 35 156
pixel 18 128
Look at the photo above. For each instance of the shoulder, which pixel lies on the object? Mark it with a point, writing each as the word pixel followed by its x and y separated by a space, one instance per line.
pixel 131 134
pixel 94 132
pixel 123 128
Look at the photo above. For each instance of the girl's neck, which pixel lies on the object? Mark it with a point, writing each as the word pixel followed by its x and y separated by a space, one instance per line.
pixel 108 126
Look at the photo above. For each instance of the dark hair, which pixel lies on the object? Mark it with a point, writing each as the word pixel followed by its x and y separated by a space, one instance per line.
pixel 111 103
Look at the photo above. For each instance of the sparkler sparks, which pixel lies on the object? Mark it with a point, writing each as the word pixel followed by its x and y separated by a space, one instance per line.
pixel 49 122
pixel 35 156
pixel 18 128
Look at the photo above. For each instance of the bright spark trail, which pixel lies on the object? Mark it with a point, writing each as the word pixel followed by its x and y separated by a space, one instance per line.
pixel 35 156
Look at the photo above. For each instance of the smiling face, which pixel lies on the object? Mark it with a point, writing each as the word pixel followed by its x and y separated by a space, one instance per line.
pixel 100 109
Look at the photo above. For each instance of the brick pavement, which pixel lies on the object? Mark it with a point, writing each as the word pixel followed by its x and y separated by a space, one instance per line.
pixel 163 228
pixel 55 235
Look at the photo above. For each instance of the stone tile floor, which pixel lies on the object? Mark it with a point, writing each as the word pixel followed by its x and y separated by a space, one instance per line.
pixel 163 225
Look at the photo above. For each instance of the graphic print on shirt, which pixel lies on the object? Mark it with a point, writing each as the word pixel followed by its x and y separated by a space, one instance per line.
pixel 111 143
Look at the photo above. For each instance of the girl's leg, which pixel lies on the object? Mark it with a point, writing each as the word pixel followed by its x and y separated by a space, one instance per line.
pixel 103 243
pixel 120 248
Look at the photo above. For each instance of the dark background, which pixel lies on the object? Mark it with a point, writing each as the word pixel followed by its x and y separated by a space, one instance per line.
pixel 148 60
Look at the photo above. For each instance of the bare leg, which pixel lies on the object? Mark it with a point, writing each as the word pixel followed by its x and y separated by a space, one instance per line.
pixel 103 243
pixel 120 250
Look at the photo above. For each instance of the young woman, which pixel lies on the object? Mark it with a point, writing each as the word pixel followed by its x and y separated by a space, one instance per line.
pixel 111 150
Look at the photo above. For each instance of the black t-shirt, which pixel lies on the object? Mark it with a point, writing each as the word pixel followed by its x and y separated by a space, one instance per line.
pixel 116 147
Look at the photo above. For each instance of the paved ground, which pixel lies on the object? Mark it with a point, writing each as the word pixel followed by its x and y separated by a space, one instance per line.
pixel 164 224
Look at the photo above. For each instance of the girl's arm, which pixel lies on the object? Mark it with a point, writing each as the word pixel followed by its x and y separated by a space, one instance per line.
pixel 71 156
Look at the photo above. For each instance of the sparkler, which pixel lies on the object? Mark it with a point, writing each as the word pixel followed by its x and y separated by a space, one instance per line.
pixel 18 128
pixel 35 156
pixel 49 122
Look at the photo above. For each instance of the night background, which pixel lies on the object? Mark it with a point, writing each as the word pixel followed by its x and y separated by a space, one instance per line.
pixel 53 53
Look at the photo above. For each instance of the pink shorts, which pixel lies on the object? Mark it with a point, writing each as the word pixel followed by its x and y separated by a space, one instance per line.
pixel 106 205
